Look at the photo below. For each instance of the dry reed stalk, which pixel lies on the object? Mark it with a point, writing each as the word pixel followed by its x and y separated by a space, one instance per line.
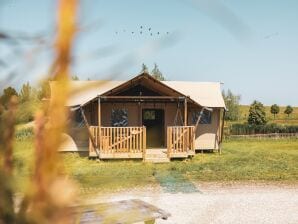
pixel 7 122
pixel 51 193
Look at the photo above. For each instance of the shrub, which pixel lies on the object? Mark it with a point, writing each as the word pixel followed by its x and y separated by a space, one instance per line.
pixel 257 114
pixel 26 111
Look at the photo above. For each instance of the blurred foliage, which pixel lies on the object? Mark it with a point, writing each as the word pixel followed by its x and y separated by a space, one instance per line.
pixel 50 193
pixel 257 114
pixel 6 95
pixel 232 104
pixel 26 93
pixel 44 91
pixel 26 111
pixel 24 133
pixel 75 78
pixel 7 122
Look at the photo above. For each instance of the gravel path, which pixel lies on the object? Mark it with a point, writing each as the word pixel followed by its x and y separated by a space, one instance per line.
pixel 216 203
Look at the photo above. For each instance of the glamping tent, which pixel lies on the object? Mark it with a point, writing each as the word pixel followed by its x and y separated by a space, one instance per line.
pixel 122 119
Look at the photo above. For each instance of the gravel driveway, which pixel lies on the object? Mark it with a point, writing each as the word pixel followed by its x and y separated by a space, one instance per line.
pixel 218 203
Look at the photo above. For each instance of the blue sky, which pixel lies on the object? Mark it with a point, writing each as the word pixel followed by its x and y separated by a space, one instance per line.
pixel 250 46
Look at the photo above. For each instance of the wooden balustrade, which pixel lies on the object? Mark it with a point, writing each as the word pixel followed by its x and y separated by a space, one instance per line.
pixel 119 142
pixel 180 141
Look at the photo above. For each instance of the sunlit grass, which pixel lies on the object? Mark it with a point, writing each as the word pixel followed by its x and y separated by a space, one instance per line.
pixel 241 160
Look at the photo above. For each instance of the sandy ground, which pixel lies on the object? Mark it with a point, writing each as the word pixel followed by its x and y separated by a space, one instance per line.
pixel 219 203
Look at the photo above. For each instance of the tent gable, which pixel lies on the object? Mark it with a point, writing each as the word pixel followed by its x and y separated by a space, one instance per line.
pixel 143 85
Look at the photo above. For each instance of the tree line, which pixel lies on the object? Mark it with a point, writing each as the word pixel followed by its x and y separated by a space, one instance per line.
pixel 257 113
pixel 31 97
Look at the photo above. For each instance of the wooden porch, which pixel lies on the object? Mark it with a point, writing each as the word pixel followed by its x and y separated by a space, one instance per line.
pixel 130 142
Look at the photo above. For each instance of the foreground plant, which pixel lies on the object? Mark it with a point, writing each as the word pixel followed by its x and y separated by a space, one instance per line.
pixel 50 193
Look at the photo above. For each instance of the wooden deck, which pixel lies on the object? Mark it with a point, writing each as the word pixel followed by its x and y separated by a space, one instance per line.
pixel 130 143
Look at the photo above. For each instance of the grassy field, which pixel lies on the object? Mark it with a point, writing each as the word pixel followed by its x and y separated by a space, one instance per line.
pixel 280 118
pixel 241 160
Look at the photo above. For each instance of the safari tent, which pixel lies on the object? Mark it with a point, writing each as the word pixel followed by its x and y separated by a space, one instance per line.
pixel 125 119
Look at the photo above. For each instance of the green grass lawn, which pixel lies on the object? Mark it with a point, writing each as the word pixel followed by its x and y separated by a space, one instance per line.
pixel 241 160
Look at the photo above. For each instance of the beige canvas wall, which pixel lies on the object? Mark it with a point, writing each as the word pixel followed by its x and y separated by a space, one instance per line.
pixel 207 135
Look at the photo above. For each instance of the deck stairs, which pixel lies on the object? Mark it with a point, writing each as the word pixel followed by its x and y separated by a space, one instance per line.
pixel 156 156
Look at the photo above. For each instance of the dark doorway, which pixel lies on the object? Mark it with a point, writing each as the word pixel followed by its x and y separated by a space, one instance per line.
pixel 153 120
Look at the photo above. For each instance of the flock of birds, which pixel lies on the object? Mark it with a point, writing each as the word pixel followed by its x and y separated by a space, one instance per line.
pixel 142 30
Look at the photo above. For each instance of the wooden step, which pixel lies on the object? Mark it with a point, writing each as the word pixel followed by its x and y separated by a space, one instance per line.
pixel 156 156
pixel 157 160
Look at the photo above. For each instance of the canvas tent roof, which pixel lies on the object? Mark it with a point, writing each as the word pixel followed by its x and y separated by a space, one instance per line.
pixel 204 93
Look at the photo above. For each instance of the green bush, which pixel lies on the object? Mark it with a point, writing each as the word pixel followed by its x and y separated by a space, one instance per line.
pixel 26 111
pixel 257 114
pixel 248 129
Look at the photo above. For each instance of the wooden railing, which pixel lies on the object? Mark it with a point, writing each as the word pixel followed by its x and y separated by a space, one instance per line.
pixel 180 141
pixel 113 140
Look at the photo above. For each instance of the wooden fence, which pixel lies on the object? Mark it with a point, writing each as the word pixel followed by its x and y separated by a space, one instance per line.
pixel 180 141
pixel 124 141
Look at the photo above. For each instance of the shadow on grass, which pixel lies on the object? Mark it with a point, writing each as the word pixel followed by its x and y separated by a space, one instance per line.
pixel 174 182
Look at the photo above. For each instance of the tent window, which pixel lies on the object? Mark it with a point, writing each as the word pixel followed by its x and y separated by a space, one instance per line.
pixel 205 118
pixel 149 115
pixel 119 118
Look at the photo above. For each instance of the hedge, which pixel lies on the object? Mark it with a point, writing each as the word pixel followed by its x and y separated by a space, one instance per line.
pixel 247 129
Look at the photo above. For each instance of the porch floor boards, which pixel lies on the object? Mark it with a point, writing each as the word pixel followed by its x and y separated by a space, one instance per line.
pixel 153 155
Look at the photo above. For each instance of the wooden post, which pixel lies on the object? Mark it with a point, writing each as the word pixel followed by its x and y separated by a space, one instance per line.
pixel 185 111
pixel 144 143
pixel 99 112
pixel 222 130
pixel 89 132
pixel 99 122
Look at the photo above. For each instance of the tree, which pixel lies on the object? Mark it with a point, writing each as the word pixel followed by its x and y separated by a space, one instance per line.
pixel 274 109
pixel 75 78
pixel 288 110
pixel 44 90
pixel 26 92
pixel 7 94
pixel 156 73
pixel 232 104
pixel 257 114
pixel 144 68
